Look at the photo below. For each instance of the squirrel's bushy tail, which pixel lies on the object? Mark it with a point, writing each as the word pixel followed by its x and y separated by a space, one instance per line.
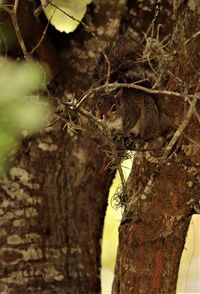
pixel 124 56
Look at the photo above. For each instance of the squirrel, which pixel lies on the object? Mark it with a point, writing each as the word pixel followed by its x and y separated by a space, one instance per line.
pixel 127 111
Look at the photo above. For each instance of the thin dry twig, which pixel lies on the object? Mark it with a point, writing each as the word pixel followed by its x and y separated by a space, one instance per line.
pixel 52 123
pixel 70 16
pixel 119 167
pixel 109 67
pixel 43 35
pixel 13 13
pixel 165 156
pixel 12 10
pixel 170 146
pixel 191 140
pixel 105 131
pixel 40 8
pixel 150 29
pixel 86 94
pixel 195 111
pixel 192 38
pixel 114 86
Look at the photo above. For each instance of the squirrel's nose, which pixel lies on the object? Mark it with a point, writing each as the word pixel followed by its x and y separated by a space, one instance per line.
pixel 98 114
pixel 101 116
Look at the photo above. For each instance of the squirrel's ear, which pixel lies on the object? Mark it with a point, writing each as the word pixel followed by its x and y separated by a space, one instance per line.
pixel 118 96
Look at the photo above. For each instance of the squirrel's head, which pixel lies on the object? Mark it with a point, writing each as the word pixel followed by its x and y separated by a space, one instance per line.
pixel 109 109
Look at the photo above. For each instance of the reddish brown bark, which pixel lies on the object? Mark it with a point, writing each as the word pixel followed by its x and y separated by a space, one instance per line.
pixel 153 229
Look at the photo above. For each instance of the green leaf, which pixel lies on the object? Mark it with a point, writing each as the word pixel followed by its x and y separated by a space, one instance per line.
pixel 66 15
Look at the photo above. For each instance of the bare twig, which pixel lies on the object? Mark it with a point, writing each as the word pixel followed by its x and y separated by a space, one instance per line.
pixel 43 35
pixel 17 30
pixel 13 13
pixel 109 67
pixel 70 16
pixel 113 86
pixel 156 14
pixel 90 116
pixel 166 153
pixel 192 38
pixel 195 111
pixel 105 131
pixel 119 167
pixel 87 94
pixel 52 123
pixel 191 140
pixel 180 130
pixel 170 146
pixel 40 8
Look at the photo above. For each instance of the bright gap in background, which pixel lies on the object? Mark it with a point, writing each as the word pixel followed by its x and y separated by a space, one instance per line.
pixel 110 233
pixel 189 272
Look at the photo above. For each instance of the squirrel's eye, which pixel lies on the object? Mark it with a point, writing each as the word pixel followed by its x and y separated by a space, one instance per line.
pixel 114 108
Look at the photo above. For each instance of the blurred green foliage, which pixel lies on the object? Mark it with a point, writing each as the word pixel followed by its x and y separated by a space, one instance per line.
pixel 21 109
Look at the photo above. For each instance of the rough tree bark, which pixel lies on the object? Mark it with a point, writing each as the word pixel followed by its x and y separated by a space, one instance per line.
pixel 155 222
pixel 54 197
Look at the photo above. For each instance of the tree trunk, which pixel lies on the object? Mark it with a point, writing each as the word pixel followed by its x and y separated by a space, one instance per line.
pixel 162 197
pixel 53 199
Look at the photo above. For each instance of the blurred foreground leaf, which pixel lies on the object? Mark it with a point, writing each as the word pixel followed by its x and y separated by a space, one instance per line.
pixel 19 79
pixel 6 142
pixel 25 113
pixel 20 108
